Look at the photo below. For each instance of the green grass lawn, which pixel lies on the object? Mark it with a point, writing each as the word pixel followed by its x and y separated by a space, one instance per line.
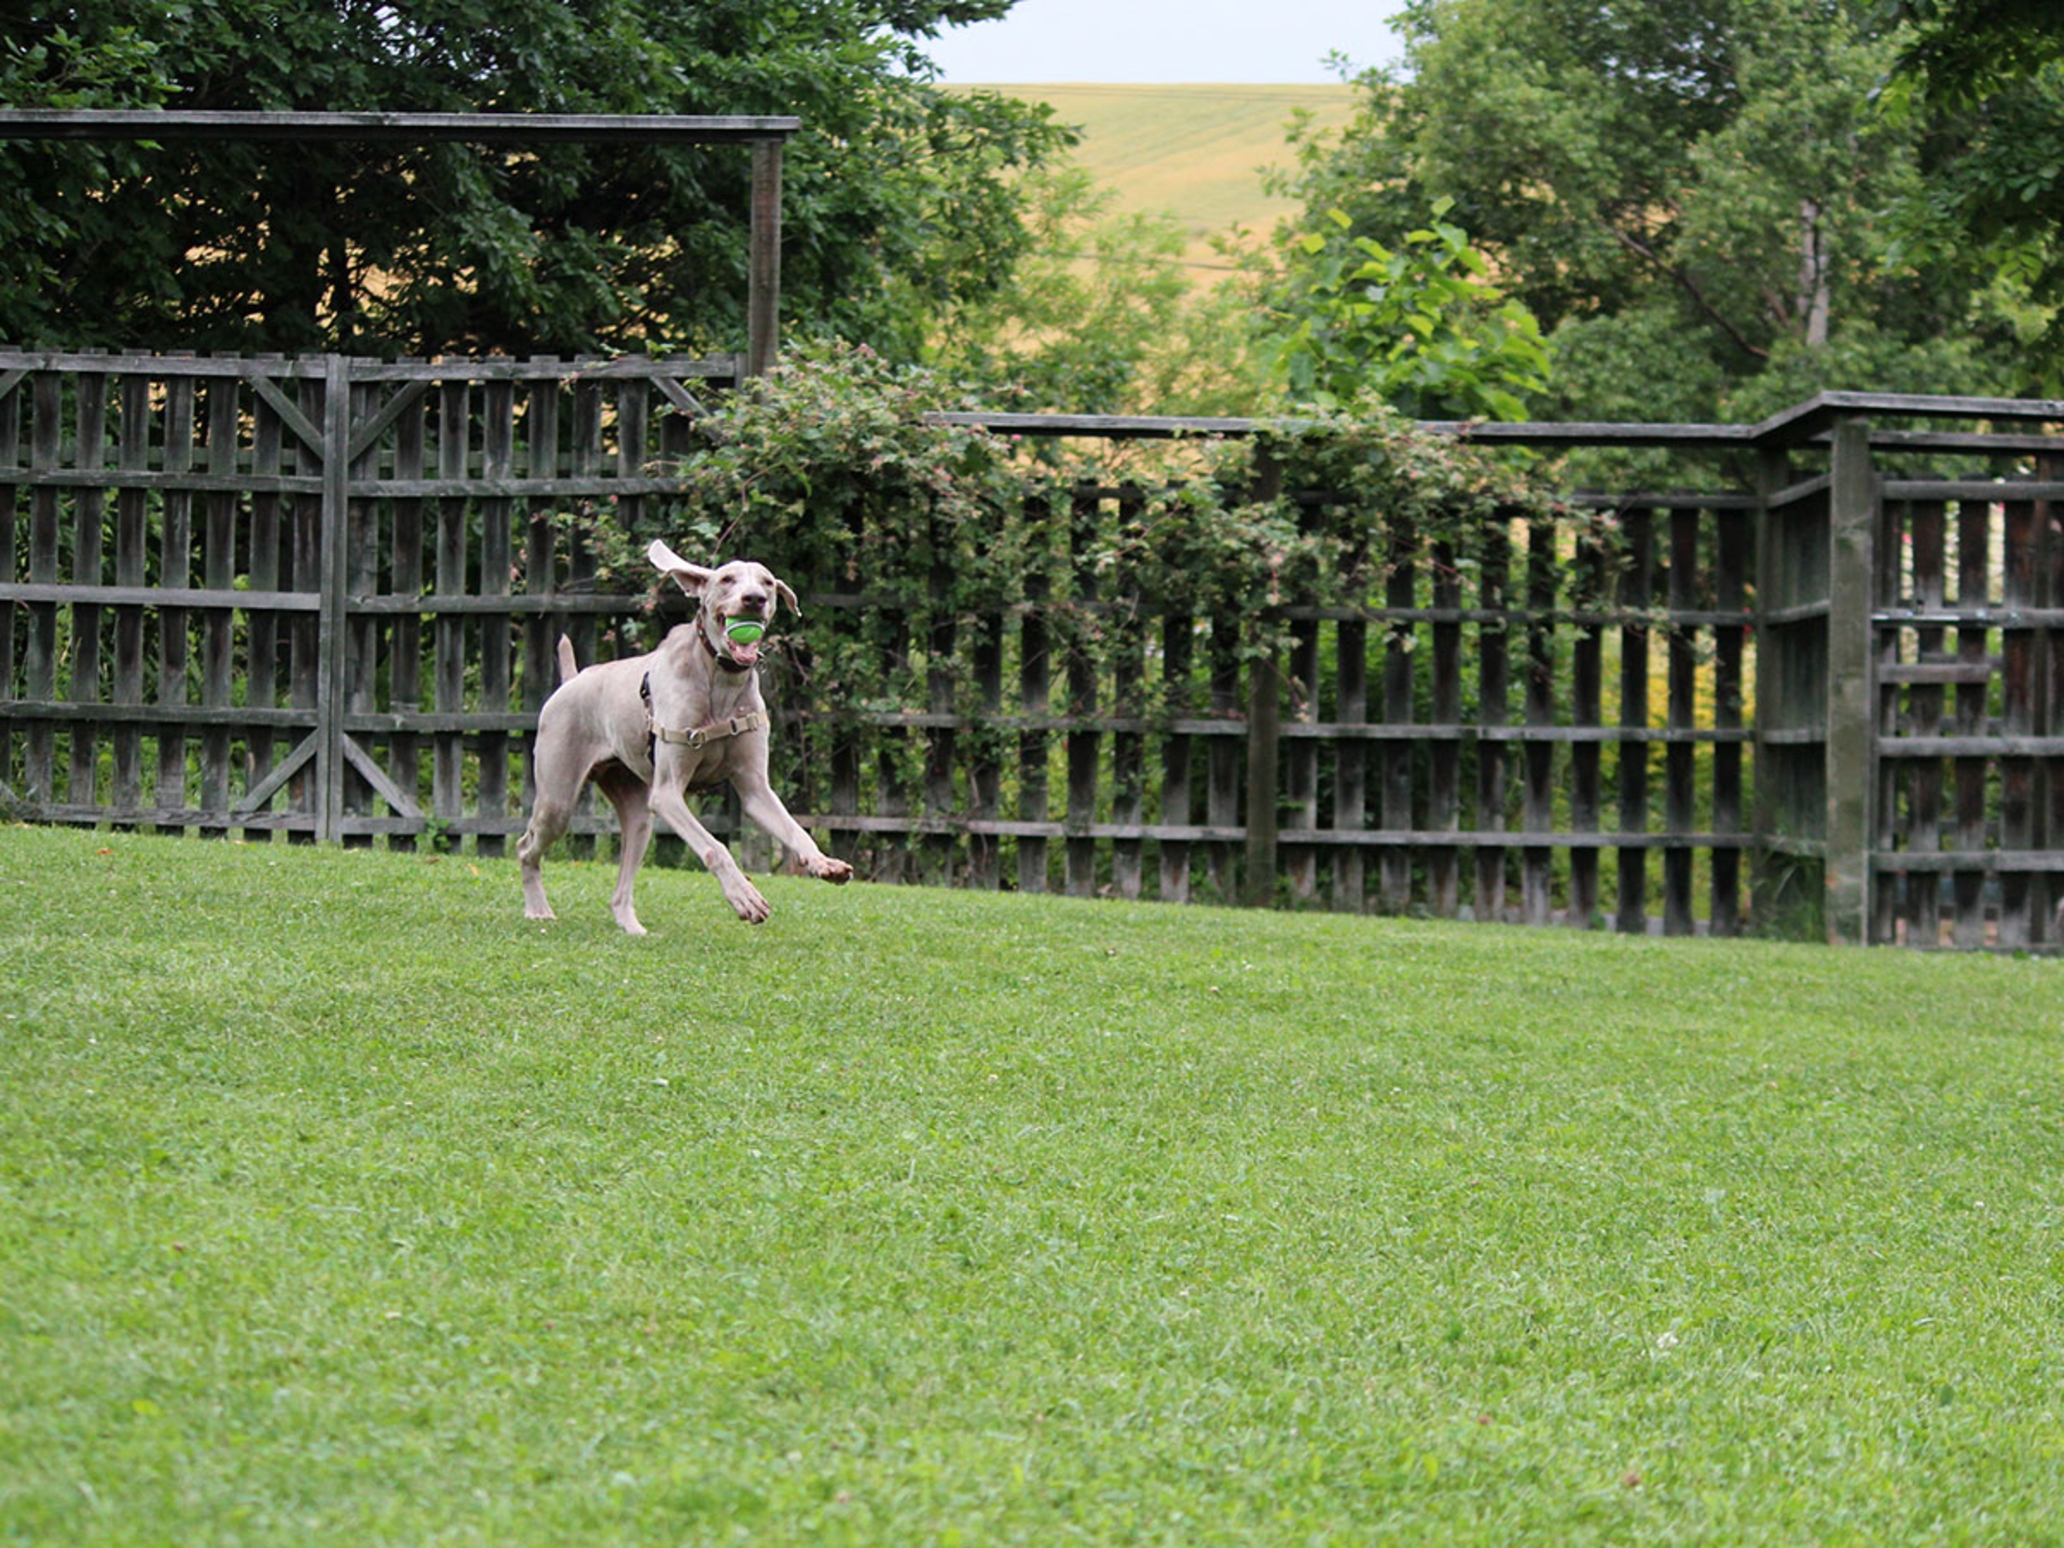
pixel 340 1205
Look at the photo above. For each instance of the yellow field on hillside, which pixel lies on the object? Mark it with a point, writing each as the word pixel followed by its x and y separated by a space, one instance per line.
pixel 1194 152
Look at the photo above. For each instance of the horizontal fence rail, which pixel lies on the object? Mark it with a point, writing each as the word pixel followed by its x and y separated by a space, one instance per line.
pixel 320 597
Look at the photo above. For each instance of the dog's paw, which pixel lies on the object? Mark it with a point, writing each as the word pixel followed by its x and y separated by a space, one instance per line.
pixel 748 904
pixel 824 868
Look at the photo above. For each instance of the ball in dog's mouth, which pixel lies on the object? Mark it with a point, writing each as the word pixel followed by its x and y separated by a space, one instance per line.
pixel 743 636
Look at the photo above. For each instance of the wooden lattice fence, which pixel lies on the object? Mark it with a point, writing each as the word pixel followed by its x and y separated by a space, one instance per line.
pixel 319 597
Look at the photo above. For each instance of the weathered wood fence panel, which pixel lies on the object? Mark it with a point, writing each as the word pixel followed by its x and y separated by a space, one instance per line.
pixel 301 554
pixel 320 597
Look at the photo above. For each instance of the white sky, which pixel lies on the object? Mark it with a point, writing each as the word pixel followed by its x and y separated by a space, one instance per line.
pixel 1138 42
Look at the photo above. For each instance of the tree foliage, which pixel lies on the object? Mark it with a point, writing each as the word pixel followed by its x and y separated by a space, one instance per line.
pixel 897 201
pixel 1982 83
pixel 1418 327
pixel 1085 319
pixel 1691 198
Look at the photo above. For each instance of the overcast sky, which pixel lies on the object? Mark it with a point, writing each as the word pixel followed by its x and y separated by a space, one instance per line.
pixel 1143 41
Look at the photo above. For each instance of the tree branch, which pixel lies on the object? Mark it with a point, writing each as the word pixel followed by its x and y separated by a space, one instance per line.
pixel 1690 287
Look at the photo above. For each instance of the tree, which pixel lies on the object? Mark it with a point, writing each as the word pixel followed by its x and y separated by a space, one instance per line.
pixel 896 202
pixel 1418 328
pixel 1088 311
pixel 1982 82
pixel 1689 197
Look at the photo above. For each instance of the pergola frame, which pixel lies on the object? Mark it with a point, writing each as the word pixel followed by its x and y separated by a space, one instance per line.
pixel 766 136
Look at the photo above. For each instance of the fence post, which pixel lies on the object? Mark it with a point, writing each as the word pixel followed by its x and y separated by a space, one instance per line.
pixel 1851 734
pixel 763 295
pixel 331 646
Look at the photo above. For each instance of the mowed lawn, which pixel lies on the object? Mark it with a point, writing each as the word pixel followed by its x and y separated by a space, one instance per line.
pixel 339 1205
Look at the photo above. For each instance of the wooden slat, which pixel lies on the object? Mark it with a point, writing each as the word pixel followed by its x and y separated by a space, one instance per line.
pixel 186 480
pixel 39 657
pixel 90 443
pixel 497 550
pixel 1733 565
pixel 1298 863
pixel 131 567
pixel 405 576
pixel 1968 772
pixel 939 853
pixel 1224 760
pixel 1636 590
pixel 1399 709
pixel 1927 536
pixel 1680 796
pixel 187 716
pixel 1178 652
pixel 539 649
pixel 262 665
pixel 175 572
pixel 1128 748
pixel 1444 753
pixel 893 796
pixel 2018 720
pixel 1493 697
pixel 218 573
pixel 448 646
pixel 1885 691
pixel 304 649
pixel 198 598
pixel 1082 745
pixel 520 130
pixel 1363 838
pixel 1587 679
pixel 1035 690
pixel 362 631
pixel 10 457
pixel 2049 697
pixel 1350 759
pixel 985 766
pixel 1537 759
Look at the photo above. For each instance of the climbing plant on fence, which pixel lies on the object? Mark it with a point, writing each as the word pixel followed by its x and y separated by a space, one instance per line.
pixel 948 560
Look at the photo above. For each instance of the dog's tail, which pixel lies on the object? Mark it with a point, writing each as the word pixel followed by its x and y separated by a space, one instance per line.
pixel 569 668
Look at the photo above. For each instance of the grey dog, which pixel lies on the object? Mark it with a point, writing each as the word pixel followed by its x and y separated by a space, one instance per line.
pixel 650 730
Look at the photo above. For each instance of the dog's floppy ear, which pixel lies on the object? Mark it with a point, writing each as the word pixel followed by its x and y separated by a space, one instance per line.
pixel 691 578
pixel 781 590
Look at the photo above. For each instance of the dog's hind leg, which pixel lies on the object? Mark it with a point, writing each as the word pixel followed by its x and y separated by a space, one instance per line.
pixel 627 793
pixel 548 820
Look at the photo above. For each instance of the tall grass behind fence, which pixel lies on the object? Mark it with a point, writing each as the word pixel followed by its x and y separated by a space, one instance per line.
pixel 1821 691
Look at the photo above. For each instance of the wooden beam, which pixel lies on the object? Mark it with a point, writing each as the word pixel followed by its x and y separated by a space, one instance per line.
pixel 511 129
pixel 1851 686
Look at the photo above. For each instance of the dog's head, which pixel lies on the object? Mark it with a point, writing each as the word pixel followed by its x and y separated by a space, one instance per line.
pixel 734 592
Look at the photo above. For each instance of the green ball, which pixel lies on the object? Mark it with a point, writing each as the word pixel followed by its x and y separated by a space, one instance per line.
pixel 746 631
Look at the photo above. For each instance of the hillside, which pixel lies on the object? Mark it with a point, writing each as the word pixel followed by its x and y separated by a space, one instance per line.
pixel 1194 152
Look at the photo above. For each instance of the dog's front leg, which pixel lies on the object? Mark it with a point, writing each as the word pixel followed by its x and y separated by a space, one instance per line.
pixel 739 891
pixel 759 802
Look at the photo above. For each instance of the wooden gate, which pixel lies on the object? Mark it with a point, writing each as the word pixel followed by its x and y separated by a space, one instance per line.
pixel 257 595
pixel 1910 691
